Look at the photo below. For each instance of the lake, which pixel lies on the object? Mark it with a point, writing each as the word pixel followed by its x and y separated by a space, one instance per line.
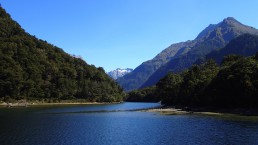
pixel 101 125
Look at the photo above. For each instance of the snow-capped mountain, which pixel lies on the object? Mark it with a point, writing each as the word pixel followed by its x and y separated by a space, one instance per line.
pixel 119 72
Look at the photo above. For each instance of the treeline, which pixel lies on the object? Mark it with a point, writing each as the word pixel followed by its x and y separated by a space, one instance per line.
pixel 34 69
pixel 143 95
pixel 232 84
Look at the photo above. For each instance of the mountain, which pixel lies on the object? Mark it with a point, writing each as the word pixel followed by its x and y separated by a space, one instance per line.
pixel 212 38
pixel 119 73
pixel 244 45
pixel 207 83
pixel 231 85
pixel 140 74
pixel 33 69
pixel 184 53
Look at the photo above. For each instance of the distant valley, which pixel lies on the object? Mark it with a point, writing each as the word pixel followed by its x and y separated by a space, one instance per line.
pixel 219 61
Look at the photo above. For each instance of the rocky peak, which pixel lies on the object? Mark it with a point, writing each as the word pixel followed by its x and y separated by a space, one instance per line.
pixel 230 22
pixel 115 74
pixel 229 26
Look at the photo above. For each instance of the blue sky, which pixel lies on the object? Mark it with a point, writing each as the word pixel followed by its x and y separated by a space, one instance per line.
pixel 123 33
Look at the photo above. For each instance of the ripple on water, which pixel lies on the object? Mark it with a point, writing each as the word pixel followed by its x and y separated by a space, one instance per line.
pixel 38 126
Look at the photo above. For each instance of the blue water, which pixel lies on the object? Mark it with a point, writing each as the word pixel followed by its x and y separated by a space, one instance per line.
pixel 87 125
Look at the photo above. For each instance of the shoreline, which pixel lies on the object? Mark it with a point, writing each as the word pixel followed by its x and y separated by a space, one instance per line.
pixel 29 104
pixel 163 110
pixel 167 111
pixel 203 111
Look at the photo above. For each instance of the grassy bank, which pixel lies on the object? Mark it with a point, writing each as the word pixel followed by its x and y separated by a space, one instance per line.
pixel 26 103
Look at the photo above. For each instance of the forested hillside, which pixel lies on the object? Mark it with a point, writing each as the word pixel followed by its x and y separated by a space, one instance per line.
pixel 212 38
pixel 232 83
pixel 244 45
pixel 141 74
pixel 31 68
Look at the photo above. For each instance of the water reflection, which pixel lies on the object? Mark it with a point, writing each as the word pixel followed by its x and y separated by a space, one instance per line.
pixel 40 125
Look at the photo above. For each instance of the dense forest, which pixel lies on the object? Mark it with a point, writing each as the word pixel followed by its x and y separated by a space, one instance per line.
pixel 31 68
pixel 143 95
pixel 232 83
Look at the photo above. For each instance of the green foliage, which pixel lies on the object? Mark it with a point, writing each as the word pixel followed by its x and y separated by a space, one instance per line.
pixel 143 95
pixel 244 45
pixel 168 88
pixel 234 84
pixel 33 69
pixel 212 38
pixel 184 88
pixel 230 59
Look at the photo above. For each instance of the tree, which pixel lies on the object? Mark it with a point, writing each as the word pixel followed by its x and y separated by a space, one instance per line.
pixel 34 69
pixel 168 88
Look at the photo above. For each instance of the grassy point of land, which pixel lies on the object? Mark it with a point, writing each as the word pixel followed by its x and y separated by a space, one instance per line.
pixel 225 113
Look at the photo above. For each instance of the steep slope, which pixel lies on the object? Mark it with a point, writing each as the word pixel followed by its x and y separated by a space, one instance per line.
pixel 238 70
pixel 212 38
pixel 244 45
pixel 115 74
pixel 34 69
pixel 232 85
pixel 137 77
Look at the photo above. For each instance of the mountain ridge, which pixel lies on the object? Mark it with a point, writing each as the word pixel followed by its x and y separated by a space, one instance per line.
pixel 144 71
pixel 212 38
pixel 243 45
pixel 231 84
pixel 221 74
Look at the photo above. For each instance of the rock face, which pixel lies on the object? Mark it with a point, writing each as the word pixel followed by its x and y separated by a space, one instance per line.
pixel 181 56
pixel 115 74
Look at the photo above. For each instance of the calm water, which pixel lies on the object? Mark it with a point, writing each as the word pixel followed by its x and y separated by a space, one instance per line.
pixel 87 125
